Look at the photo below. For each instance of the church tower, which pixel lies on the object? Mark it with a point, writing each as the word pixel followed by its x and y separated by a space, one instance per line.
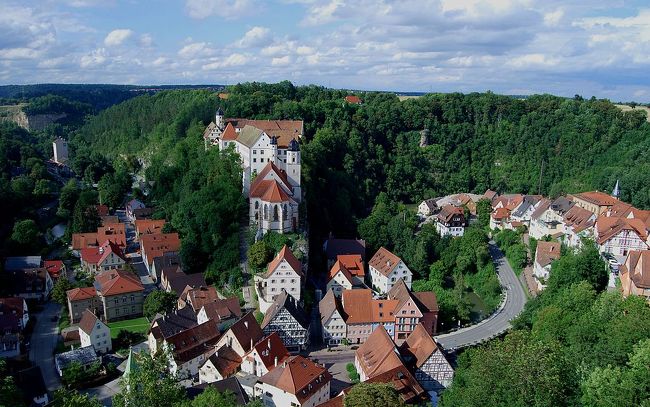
pixel 218 119
pixel 293 168
pixel 616 193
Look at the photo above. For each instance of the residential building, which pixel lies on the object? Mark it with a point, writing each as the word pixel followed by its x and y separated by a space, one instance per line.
pixel 354 264
pixel 353 99
pixel 119 294
pixel 85 356
pixel 289 320
pixel 332 320
pixel 170 261
pixel 131 206
pixel 521 215
pixel 296 382
pixel 172 276
pixel 364 314
pixel 423 357
pixel 500 219
pixel 32 386
pixel 545 254
pixel 339 279
pixel 548 218
pixel 578 225
pixel 55 268
pixel 427 207
pixel 242 335
pixel 595 202
pixel 490 195
pixel 450 221
pixel 100 259
pixel 60 149
pixel 114 232
pixel 224 311
pixel 33 283
pixel 273 203
pixel 14 310
pixel 411 311
pixel 165 326
pixel 378 354
pixel 220 364
pixel 197 297
pixel 95 333
pixel 230 384
pixel 284 272
pixel 190 348
pixel 385 269
pixel 81 299
pixel 155 245
pixel 148 227
pixel 264 355
pixel 618 236
pixel 334 247
pixel 635 274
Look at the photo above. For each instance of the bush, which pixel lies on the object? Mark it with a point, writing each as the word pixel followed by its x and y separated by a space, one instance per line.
pixel 352 373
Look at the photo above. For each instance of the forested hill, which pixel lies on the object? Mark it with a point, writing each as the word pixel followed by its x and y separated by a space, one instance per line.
pixel 351 153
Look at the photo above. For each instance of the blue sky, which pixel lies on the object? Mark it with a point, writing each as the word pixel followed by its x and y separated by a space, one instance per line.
pixel 586 47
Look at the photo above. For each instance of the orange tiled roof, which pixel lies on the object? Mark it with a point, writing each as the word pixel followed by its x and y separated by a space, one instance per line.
pixel 597 198
pixel 356 304
pixel 353 263
pixel 149 227
pixel 606 228
pixel 637 265
pixel 501 213
pixel 378 353
pixel 284 254
pixel 54 267
pixel 83 240
pixel 353 99
pixel 339 267
pixel 157 244
pixel 115 282
pixel 284 130
pixel 81 293
pixel 229 133
pixel 547 252
pixel 269 348
pixel 298 376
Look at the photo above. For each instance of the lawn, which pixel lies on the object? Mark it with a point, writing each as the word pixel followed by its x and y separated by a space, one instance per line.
pixel 137 325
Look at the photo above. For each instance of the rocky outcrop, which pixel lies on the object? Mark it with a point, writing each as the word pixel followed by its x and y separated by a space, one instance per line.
pixel 35 122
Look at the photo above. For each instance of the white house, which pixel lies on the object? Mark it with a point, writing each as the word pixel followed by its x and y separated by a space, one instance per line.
pixel 339 279
pixel 332 321
pixel 106 257
pixel 385 269
pixel 546 253
pixel 190 348
pixel 620 235
pixel 450 221
pixel 284 272
pixel 427 207
pixel 296 382
pixel 95 333
pixel 548 218
pixel 264 355
pixel 289 320
pixel 242 335
pixel 221 363
pixel 578 225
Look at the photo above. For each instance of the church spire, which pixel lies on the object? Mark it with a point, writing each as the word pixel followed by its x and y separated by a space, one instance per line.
pixel 616 193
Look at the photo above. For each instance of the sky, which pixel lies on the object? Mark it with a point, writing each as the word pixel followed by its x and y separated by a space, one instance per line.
pixel 564 47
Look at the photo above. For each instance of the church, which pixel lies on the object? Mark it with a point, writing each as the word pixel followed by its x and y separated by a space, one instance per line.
pixel 270 157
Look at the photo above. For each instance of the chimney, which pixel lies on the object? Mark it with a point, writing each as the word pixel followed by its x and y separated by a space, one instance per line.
pixel 269 344
pixel 246 325
pixel 276 361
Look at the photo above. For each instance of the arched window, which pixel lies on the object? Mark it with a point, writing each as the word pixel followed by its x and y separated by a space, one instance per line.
pixel 257 204
pixel 275 213
pixel 266 212
pixel 284 212
pixel 257 216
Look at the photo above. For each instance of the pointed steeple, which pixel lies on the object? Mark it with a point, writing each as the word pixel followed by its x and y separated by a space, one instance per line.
pixel 616 193
pixel 131 366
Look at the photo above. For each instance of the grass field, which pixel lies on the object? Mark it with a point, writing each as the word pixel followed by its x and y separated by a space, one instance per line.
pixel 137 325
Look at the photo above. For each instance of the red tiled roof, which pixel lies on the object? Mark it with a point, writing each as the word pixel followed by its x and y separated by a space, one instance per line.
pixel 81 293
pixel 88 320
pixel 284 254
pixel 637 265
pixel 229 133
pixel 83 240
pixel 271 347
pixel 54 267
pixel 115 232
pixel 222 309
pixel 384 261
pixel 578 219
pixel 338 267
pixel 356 304
pixel 102 210
pixel 606 228
pixel 115 282
pixel 274 193
pixel 200 296
pixel 97 255
pixel 284 130
pixel 353 263
pixel 501 213
pixel 353 99
pixel 597 198
pixel 298 376
pixel 448 212
pixel 547 252
pixel 194 341
pixel 265 171
pixel 157 244
pixel 378 353
pixel 225 360
pixel 247 331
pixel 148 227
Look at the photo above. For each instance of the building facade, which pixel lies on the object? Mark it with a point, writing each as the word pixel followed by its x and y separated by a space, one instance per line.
pixel 385 269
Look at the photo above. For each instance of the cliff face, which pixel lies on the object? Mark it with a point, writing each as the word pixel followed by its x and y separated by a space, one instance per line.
pixel 35 122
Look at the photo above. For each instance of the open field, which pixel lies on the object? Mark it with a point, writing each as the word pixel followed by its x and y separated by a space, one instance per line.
pixel 138 325
pixel 626 108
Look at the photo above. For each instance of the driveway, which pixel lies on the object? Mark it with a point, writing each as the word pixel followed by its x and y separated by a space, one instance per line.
pixel 499 322
pixel 43 343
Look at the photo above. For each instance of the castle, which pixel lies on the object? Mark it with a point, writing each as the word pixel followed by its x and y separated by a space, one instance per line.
pixel 270 157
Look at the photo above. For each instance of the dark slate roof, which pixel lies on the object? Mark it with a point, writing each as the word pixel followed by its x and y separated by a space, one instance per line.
pixel 561 205
pixel 529 200
pixel 85 356
pixel 174 322
pixel 230 384
pixel 31 383
pixel 333 247
pixel 22 262
pixel 286 301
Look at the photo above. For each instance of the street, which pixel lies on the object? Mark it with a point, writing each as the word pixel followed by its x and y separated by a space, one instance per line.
pixel 498 322
pixel 43 343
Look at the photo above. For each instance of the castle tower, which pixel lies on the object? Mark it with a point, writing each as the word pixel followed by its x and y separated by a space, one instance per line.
pixel 293 168
pixel 274 150
pixel 218 119
pixel 60 147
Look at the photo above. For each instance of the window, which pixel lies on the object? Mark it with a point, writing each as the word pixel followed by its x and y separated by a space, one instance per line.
pixel 132 298
pixel 257 204
pixel 117 301
pixel 254 151
pixel 275 213
pixel 254 160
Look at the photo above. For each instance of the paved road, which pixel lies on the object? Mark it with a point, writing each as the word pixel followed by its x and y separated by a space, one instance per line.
pixel 43 343
pixel 500 321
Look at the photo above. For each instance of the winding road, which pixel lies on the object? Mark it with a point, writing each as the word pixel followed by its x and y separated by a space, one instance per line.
pixel 499 322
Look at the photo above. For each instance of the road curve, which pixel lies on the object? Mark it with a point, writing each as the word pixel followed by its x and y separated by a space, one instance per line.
pixel 500 321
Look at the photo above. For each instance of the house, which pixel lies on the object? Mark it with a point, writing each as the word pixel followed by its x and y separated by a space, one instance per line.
pixel 295 382
pixel 500 219
pixel 545 254
pixel 220 364
pixel 120 295
pixel 155 245
pixel 508 201
pixel 9 344
pixel 165 326
pixel 378 354
pixel 231 385
pixel 16 307
pixel 412 310
pixel 100 259
pixel 450 221
pixel 353 99
pixel 334 247
pixel 114 232
pixel 595 202
pixel 264 355
pixel 171 261
pixel 385 269
pixel 354 264
pixel 197 297
pixel 23 263
pixel 284 272
pixel 32 386
pixel 29 283
pixel 547 219
pixel 339 279
pixel 332 319
pixel 172 276
pixel 81 299
pixel 523 212
pixel 363 314
pixel 242 335
pixel 95 333
pixel 55 268
pixel 618 236
pixel 578 225
pixel 273 198
pixel 427 207
pixel 635 274
pixel 422 356
pixel 143 213
pixel 224 311
pixel 490 195
pixel 288 319
pixel 131 206
pixel 190 348
pixel 148 227
pixel 85 356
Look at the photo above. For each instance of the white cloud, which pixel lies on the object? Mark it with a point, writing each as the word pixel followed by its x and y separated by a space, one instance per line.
pixel 196 50
pixel 255 37
pixel 323 13
pixel 95 58
pixel 553 18
pixel 146 40
pixel 231 9
pixel 281 61
pixel 230 61
pixel 117 37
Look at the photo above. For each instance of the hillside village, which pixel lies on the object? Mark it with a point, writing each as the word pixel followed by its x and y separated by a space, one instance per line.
pixel 290 336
